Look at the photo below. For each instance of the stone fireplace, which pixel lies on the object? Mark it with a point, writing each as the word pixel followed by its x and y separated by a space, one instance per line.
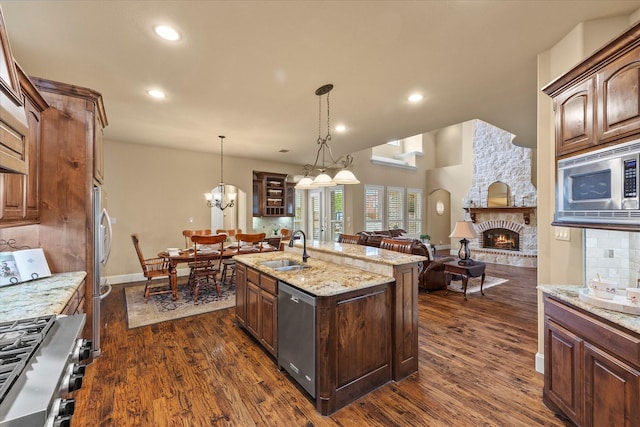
pixel 508 234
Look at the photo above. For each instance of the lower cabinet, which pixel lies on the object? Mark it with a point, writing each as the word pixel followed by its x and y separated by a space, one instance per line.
pixel 257 306
pixel 75 305
pixel 592 368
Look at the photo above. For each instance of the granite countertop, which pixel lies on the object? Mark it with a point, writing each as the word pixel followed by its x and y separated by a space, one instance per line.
pixel 320 279
pixel 569 294
pixel 367 253
pixel 39 297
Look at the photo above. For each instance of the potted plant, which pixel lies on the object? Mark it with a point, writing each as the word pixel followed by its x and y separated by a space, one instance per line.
pixel 425 238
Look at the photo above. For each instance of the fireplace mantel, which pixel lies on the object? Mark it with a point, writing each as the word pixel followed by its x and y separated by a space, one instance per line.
pixel 525 210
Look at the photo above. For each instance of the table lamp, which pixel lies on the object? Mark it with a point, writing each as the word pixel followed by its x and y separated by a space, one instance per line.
pixel 465 230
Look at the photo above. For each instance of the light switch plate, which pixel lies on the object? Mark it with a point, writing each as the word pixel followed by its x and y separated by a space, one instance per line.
pixel 563 233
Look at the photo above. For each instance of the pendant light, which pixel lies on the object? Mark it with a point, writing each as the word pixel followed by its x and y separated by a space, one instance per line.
pixel 345 176
pixel 218 197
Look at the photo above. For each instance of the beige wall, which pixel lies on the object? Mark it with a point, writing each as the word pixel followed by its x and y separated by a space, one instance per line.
pixel 561 262
pixel 452 171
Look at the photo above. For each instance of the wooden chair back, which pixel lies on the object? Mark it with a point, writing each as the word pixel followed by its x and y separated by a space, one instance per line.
pixel 205 266
pixel 188 233
pixel 152 268
pixel 353 239
pixel 285 233
pixel 230 233
pixel 253 241
pixel 399 245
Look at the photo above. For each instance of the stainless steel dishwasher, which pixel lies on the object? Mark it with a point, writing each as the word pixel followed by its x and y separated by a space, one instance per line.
pixel 297 335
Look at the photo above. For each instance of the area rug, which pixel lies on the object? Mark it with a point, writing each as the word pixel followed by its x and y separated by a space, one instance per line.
pixel 473 285
pixel 161 308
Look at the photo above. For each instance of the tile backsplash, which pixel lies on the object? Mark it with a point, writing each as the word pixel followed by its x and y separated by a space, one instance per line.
pixel 614 255
pixel 269 225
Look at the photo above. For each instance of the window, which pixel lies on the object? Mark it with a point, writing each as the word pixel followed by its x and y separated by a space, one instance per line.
pixel 336 212
pixel 395 208
pixel 373 207
pixel 414 211
pixel 298 219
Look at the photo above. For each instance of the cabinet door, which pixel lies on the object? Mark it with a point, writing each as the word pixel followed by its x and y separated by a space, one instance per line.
pixel 241 294
pixel 32 186
pixel 619 98
pixel 563 370
pixel 268 321
pixel 290 200
pixel 574 111
pixel 253 309
pixel 612 390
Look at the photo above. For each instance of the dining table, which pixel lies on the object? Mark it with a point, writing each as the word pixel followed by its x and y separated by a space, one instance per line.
pixel 188 255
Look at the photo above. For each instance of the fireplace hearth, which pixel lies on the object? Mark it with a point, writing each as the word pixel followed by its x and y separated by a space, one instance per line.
pixel 501 238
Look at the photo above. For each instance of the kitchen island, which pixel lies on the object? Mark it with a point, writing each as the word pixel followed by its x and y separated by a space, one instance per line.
pixel 357 345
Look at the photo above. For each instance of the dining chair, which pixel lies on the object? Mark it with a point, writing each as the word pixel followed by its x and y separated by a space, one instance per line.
pixel 188 233
pixel 206 267
pixel 153 268
pixel 354 239
pixel 245 243
pixel 399 245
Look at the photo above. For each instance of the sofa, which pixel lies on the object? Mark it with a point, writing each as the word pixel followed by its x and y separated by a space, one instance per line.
pixel 431 276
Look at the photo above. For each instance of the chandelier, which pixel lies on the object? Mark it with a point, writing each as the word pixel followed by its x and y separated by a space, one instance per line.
pixel 345 176
pixel 218 197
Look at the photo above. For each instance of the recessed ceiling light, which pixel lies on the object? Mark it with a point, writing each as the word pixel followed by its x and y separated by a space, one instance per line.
pixel 167 32
pixel 156 93
pixel 341 128
pixel 416 97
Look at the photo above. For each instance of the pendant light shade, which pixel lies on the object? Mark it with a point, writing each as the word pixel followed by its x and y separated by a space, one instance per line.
pixel 323 180
pixel 345 176
pixel 305 183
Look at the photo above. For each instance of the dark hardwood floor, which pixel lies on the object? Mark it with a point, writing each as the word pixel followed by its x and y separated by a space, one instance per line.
pixel 476 368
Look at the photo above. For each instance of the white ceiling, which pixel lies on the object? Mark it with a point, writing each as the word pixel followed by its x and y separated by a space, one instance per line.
pixel 249 69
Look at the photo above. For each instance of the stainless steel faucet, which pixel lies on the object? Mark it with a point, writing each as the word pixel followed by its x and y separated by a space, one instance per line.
pixel 305 256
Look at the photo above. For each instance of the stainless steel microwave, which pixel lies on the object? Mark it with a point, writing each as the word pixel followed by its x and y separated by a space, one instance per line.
pixel 599 186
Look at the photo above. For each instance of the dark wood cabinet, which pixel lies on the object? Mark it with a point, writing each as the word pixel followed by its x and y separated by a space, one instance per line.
pixel 257 306
pixel 290 201
pixel 619 98
pixel 270 195
pixel 67 167
pixel 598 101
pixel 574 113
pixel 592 367
pixel 13 119
pixel 20 194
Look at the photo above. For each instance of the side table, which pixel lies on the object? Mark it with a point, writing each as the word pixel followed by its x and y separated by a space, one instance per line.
pixel 476 269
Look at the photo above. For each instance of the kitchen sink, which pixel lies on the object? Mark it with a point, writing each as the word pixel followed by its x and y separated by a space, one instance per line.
pixel 292 267
pixel 285 265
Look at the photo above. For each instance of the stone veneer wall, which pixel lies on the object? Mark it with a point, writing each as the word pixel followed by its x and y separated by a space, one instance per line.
pixel 495 158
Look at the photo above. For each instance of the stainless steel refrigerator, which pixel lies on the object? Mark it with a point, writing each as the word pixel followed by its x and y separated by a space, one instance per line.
pixel 102 248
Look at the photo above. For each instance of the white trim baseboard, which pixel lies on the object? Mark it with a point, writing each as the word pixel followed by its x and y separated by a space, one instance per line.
pixel 540 363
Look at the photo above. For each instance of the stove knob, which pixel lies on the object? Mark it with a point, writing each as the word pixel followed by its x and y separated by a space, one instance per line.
pixel 67 407
pixel 82 350
pixel 79 369
pixel 62 421
pixel 75 383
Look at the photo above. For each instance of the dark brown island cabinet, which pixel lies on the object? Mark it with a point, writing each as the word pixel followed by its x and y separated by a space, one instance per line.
pixel 364 338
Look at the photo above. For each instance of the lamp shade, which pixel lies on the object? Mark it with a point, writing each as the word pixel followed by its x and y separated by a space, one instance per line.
pixel 464 229
pixel 305 183
pixel 345 176
pixel 323 180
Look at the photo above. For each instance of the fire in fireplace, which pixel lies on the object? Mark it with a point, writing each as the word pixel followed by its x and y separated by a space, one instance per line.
pixel 501 238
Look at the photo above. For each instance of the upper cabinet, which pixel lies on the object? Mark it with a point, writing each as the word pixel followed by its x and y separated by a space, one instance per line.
pixel 13 118
pixel 598 101
pixel 272 195
pixel 20 194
